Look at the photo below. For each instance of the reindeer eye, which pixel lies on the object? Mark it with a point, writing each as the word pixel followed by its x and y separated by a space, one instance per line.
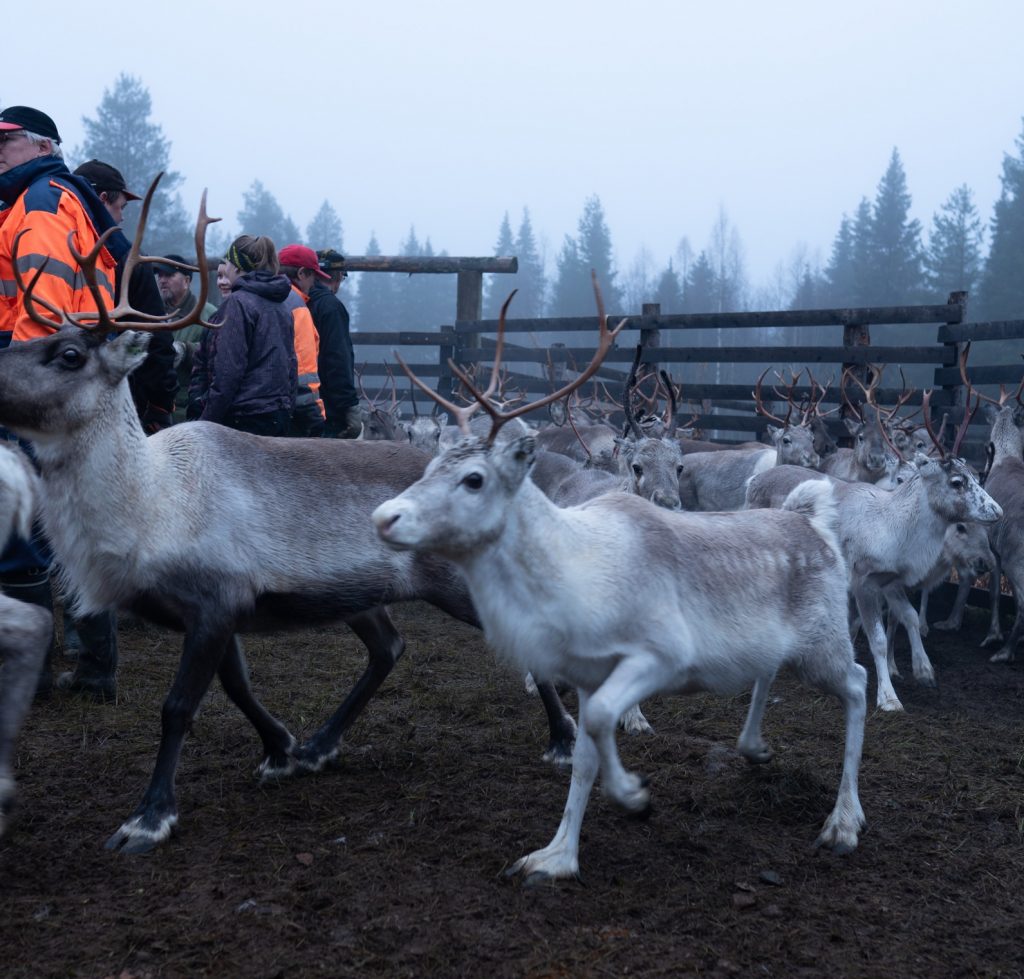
pixel 860 438
pixel 957 482
pixel 72 357
pixel 473 481
pixel 787 441
pixel 679 470
pixel 638 470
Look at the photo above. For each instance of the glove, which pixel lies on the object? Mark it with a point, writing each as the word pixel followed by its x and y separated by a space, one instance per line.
pixel 155 419
pixel 348 426
pixel 194 411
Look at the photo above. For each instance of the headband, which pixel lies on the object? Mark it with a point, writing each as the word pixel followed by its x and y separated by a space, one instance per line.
pixel 240 260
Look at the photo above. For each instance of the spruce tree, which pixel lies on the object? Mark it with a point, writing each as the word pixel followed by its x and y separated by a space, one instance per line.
pixel 1002 285
pixel 668 293
pixel 530 280
pixel 840 273
pixel 700 292
pixel 325 230
pixel 262 215
pixel 895 259
pixel 497 287
pixel 572 294
pixel 123 135
pixel 375 304
pixel 595 252
pixel 953 258
pixel 865 291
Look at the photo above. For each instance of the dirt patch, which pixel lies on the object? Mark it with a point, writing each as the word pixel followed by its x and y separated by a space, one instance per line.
pixel 391 864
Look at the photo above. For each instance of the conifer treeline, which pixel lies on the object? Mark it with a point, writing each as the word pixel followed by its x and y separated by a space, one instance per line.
pixel 880 255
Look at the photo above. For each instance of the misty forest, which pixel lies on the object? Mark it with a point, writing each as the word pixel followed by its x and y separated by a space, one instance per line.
pixel 879 255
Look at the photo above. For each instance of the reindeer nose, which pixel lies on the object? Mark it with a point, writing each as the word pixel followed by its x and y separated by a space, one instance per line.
pixel 385 519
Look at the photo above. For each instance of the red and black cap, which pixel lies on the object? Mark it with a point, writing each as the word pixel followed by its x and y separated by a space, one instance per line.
pixel 31 120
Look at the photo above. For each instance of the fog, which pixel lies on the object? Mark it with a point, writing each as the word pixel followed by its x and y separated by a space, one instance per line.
pixel 443 116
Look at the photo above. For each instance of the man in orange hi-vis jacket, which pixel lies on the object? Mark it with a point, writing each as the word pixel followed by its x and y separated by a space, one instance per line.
pixel 43 199
pixel 46 201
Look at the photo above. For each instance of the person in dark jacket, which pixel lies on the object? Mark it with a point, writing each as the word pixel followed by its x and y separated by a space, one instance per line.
pixel 244 375
pixel 337 360
pixel 154 383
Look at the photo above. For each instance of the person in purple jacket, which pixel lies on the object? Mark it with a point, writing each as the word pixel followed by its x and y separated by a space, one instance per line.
pixel 244 375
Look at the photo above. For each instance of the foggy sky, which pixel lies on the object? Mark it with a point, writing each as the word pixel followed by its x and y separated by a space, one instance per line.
pixel 444 115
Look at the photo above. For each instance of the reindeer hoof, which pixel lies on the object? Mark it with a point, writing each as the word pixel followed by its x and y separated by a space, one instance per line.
pixel 1003 656
pixel 140 834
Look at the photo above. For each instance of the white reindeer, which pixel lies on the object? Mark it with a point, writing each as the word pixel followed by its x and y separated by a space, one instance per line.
pixel 729 600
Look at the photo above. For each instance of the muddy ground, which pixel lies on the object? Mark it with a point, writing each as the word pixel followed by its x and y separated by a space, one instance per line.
pixel 392 864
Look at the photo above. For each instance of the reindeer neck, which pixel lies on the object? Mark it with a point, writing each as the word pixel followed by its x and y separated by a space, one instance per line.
pixel 101 470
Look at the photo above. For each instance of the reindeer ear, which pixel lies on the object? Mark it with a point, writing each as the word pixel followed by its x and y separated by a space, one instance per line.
pixel 852 425
pixel 124 353
pixel 442 418
pixel 774 432
pixel 514 458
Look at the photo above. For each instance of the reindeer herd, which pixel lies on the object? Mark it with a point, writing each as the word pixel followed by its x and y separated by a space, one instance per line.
pixel 756 558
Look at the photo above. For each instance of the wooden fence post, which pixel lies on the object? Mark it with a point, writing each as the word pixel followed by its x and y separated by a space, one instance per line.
pixel 956 389
pixel 854 335
pixel 446 351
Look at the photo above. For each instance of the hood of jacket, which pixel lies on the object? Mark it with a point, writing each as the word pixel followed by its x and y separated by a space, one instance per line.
pixel 276 288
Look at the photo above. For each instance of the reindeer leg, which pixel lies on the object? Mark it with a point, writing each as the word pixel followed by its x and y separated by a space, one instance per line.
pixel 385 645
pixel 956 617
pixel 849 684
pixel 560 858
pixel 277 741
pixel 156 815
pixel 995 629
pixel 636 676
pixel 751 743
pixel 900 608
pixel 869 606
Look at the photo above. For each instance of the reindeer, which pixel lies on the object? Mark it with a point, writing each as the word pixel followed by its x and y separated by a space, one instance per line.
pixel 868 460
pixel 729 599
pixel 188 528
pixel 25 630
pixel 381 419
pixel 892 540
pixel 1005 482
pixel 424 431
pixel 794 444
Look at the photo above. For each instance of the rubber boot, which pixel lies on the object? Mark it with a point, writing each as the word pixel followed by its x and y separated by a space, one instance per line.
pixel 96 672
pixel 34 587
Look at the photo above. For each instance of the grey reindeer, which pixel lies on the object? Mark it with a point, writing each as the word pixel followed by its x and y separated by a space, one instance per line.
pixel 729 600
pixel 25 629
pixel 191 528
pixel 1005 482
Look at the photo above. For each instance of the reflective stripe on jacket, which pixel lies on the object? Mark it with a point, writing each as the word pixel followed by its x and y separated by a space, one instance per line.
pixel 307 349
pixel 48 210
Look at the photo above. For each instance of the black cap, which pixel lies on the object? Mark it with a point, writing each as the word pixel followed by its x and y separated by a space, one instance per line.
pixel 105 177
pixel 330 260
pixel 22 117
pixel 160 269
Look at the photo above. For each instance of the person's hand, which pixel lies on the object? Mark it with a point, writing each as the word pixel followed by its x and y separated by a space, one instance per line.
pixel 155 419
pixel 348 426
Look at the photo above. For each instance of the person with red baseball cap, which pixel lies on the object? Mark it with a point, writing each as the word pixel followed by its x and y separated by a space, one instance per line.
pixel 335 369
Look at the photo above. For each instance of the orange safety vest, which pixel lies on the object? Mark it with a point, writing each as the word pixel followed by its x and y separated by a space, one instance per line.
pixel 47 211
pixel 307 352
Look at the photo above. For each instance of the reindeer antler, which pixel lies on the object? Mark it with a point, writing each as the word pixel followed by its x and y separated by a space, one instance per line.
pixel 500 418
pixel 759 404
pixel 1004 395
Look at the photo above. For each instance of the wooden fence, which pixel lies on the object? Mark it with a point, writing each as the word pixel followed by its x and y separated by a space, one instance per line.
pixel 716 356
